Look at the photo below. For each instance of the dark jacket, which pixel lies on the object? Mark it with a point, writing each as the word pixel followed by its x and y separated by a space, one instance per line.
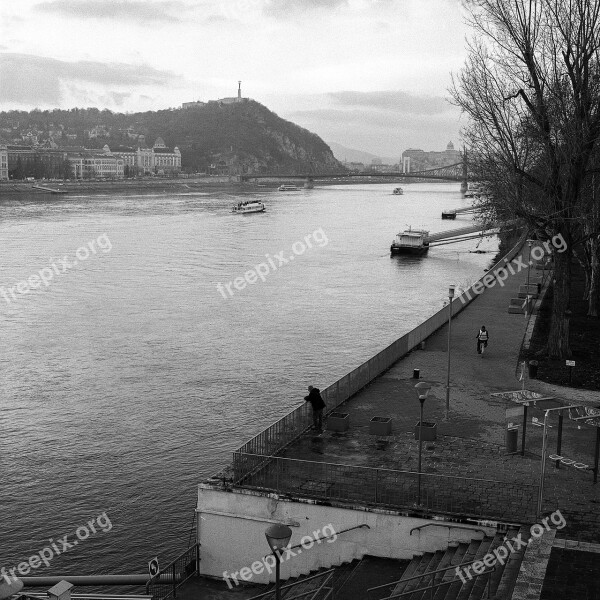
pixel 314 397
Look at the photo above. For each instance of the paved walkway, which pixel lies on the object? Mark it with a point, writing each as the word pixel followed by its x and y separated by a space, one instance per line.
pixel 471 443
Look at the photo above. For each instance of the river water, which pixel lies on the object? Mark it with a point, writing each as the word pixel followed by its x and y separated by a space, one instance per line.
pixel 130 377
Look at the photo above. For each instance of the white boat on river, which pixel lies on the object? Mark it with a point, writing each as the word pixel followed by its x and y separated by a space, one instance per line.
pixel 251 206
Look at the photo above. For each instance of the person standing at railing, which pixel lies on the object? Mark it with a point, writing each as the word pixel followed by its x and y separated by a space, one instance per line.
pixel 314 397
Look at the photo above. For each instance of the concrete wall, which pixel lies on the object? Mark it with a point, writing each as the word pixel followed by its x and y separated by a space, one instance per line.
pixel 231 531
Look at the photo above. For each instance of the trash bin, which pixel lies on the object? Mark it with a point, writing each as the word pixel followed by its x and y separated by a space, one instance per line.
pixel 533 368
pixel 512 438
pixel 416 373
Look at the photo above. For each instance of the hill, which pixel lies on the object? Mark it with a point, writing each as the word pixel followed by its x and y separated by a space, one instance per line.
pixel 342 153
pixel 239 137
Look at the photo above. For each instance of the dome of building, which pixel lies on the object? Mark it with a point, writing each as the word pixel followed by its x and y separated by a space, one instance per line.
pixel 450 146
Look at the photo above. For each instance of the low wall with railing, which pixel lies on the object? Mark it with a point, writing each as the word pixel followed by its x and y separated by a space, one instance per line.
pixel 369 486
pixel 276 437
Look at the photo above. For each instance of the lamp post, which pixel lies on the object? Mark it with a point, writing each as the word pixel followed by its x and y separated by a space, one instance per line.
pixel 422 390
pixel 450 297
pixel 529 244
pixel 278 537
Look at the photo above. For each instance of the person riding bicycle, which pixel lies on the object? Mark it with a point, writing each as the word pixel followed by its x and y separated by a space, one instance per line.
pixel 482 339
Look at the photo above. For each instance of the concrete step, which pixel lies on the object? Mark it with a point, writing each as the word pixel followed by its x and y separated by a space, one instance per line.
pixel 480 586
pixel 422 568
pixel 512 567
pixel 466 588
pixel 453 590
pixel 433 565
pixel 369 573
pixel 445 560
pixel 450 575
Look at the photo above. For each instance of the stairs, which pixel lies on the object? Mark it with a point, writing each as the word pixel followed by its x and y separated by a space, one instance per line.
pixel 305 584
pixel 470 586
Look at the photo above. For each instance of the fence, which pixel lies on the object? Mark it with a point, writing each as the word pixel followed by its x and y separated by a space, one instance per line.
pixel 165 584
pixel 276 437
pixel 386 487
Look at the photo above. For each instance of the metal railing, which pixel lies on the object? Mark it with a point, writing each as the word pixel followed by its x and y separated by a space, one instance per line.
pixel 165 584
pixel 385 487
pixel 276 437
pixel 446 526
pixel 323 592
pixel 434 585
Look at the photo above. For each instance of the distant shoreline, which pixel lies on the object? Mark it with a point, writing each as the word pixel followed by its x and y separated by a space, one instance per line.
pixel 118 185
pixel 179 183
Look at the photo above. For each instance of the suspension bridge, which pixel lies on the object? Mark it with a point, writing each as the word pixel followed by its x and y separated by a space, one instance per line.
pixel 455 172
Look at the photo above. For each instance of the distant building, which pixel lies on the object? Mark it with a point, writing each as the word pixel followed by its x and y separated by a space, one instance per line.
pixel 30 138
pixel 158 160
pixel 29 161
pixel 96 132
pixel 3 163
pixel 96 164
pixel 415 159
pixel 193 104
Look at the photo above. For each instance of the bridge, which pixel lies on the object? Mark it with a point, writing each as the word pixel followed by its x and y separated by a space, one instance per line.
pixel 455 172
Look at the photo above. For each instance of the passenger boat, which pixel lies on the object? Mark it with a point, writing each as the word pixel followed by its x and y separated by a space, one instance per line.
pixel 288 188
pixel 448 214
pixel 398 191
pixel 412 241
pixel 251 206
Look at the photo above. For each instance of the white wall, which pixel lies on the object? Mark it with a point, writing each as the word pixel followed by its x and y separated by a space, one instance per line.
pixel 231 531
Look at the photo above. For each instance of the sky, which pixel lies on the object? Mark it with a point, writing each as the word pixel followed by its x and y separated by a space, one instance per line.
pixel 368 74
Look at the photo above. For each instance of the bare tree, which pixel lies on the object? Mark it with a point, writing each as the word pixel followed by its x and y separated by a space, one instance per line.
pixel 531 90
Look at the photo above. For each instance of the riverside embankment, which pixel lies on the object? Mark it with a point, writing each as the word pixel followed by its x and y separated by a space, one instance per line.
pixel 120 185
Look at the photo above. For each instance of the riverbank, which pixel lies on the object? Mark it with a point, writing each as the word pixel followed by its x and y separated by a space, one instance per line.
pixel 119 185
pixel 180 184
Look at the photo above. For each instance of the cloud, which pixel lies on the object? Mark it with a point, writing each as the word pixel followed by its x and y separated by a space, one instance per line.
pixel 397 101
pixel 33 79
pixel 284 8
pixel 380 131
pixel 133 11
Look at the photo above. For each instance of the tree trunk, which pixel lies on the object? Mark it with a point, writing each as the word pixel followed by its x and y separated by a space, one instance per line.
pixel 558 337
pixel 584 260
pixel 594 287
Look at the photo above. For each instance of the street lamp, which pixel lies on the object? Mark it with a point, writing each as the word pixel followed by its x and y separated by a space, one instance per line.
pixel 529 244
pixel 422 390
pixel 450 297
pixel 278 536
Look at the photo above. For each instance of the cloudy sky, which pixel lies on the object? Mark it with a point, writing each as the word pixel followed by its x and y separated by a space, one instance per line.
pixel 368 74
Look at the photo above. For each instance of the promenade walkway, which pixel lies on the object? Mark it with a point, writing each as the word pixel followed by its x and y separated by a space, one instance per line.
pixel 472 442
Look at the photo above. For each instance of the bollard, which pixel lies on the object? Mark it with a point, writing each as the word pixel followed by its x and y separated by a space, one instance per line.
pixel 416 373
pixel 533 369
pixel 512 438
